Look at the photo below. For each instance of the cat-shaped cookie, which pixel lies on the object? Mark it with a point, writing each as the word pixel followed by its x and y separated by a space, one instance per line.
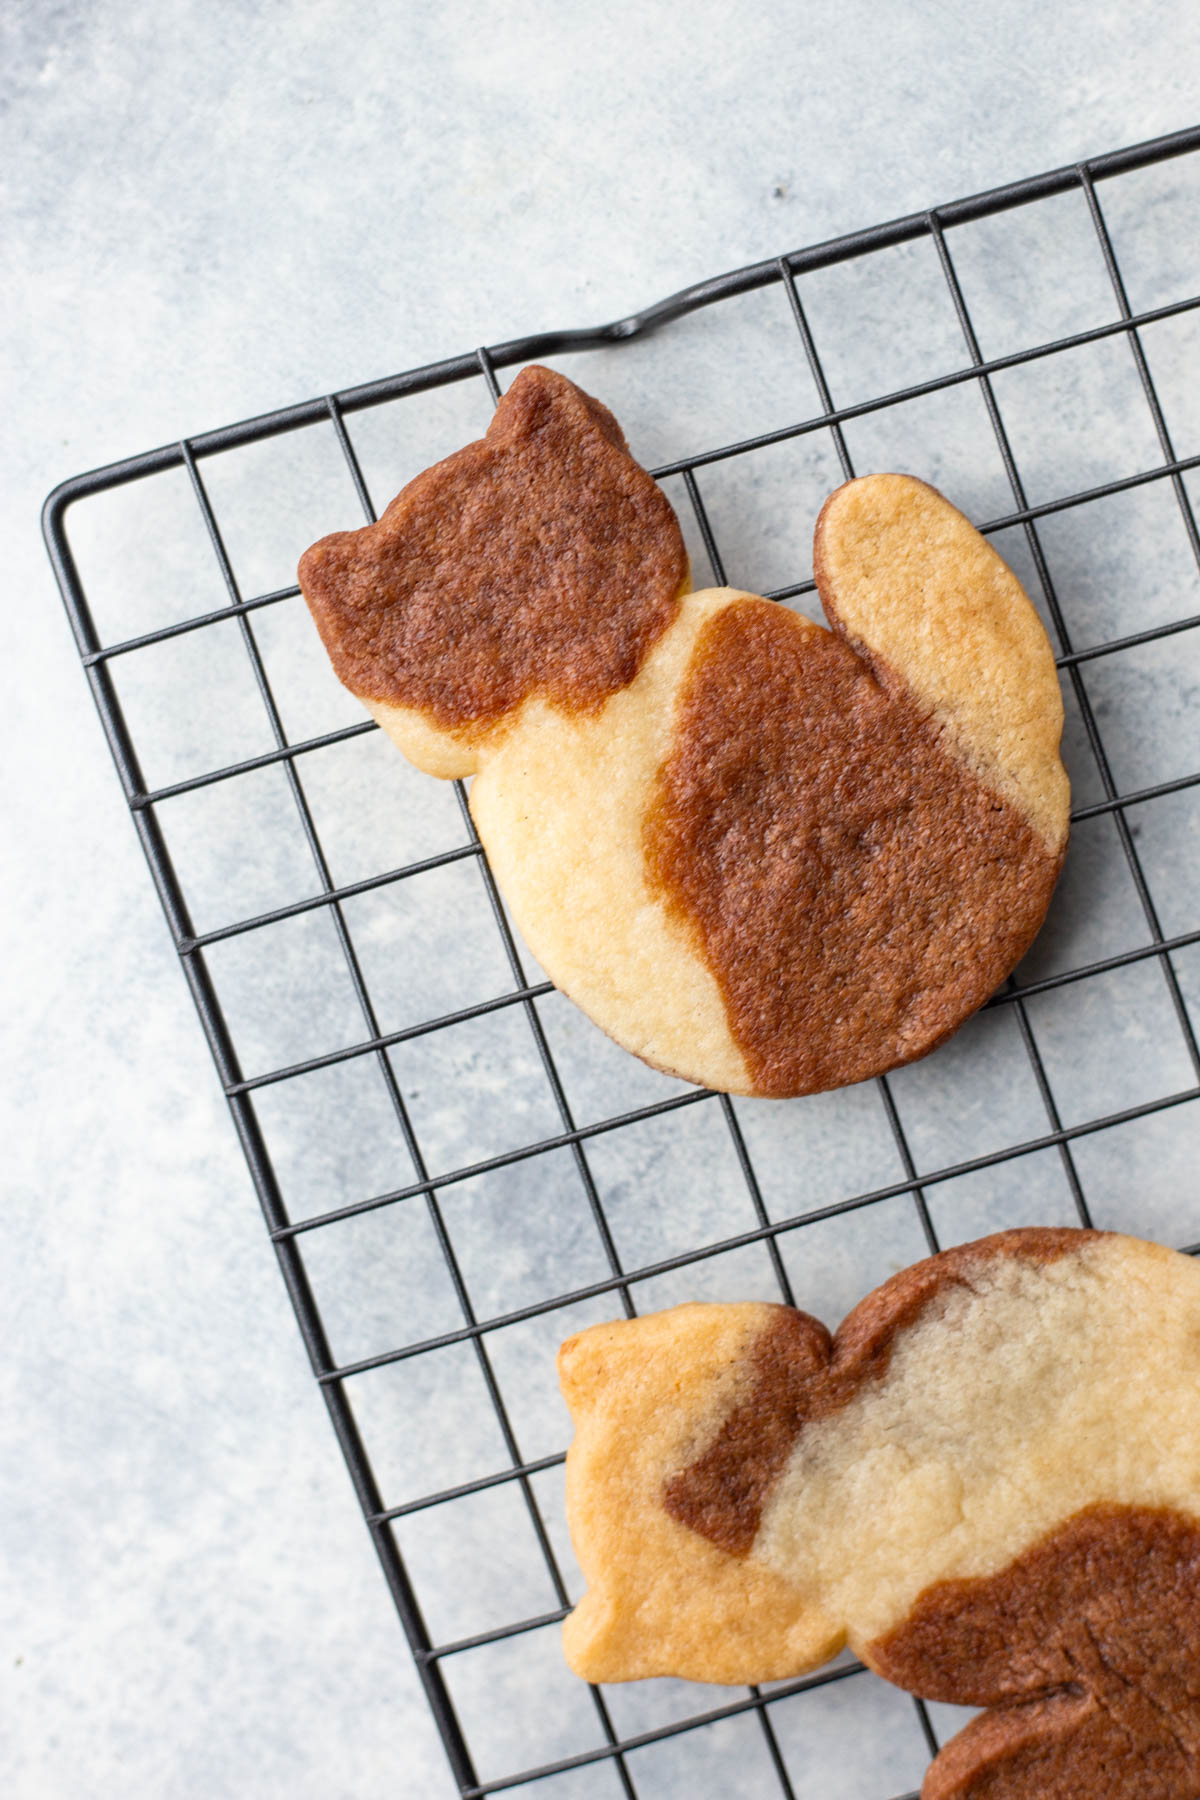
pixel 987 1482
pixel 764 856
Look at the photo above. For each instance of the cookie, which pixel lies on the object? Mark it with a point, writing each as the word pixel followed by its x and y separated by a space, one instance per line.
pixel 987 1483
pixel 765 856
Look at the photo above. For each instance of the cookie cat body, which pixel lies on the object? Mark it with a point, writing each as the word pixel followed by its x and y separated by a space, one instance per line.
pixel 987 1482
pixel 764 856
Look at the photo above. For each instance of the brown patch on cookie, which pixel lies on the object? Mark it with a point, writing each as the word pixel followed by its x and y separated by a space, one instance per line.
pixel 721 1494
pixel 802 1374
pixel 1087 1646
pixel 541 559
pixel 855 890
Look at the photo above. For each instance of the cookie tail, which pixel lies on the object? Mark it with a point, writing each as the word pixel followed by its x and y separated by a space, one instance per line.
pixel 931 607
pixel 1057 1748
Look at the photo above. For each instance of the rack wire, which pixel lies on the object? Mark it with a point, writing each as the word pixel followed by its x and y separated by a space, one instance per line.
pixel 615 1748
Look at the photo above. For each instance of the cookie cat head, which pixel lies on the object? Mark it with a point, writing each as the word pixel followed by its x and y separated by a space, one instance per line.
pixel 540 561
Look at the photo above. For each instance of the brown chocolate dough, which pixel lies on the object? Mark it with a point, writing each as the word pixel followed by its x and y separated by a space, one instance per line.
pixel 855 890
pixel 540 560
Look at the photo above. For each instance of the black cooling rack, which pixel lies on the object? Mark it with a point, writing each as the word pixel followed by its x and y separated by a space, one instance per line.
pixel 613 1751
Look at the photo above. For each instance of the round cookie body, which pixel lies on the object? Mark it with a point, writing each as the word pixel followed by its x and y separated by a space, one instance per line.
pixel 560 807
pixel 754 867
pixel 855 888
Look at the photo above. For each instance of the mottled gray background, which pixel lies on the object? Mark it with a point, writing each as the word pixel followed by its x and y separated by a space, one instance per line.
pixel 211 210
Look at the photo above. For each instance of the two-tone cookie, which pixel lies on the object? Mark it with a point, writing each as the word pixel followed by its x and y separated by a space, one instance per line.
pixel 765 856
pixel 986 1482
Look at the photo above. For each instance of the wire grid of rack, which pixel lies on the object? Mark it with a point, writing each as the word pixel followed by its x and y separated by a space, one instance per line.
pixel 613 1747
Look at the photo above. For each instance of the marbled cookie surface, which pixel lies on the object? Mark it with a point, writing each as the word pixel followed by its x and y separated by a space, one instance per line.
pixel 987 1483
pixel 764 856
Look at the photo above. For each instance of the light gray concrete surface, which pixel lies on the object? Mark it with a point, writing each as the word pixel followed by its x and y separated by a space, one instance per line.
pixel 212 210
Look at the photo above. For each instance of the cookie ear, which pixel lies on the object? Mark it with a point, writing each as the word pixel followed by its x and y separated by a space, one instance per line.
pixel 540 561
pixel 647 1395
pixel 1036 1751
pixel 930 606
